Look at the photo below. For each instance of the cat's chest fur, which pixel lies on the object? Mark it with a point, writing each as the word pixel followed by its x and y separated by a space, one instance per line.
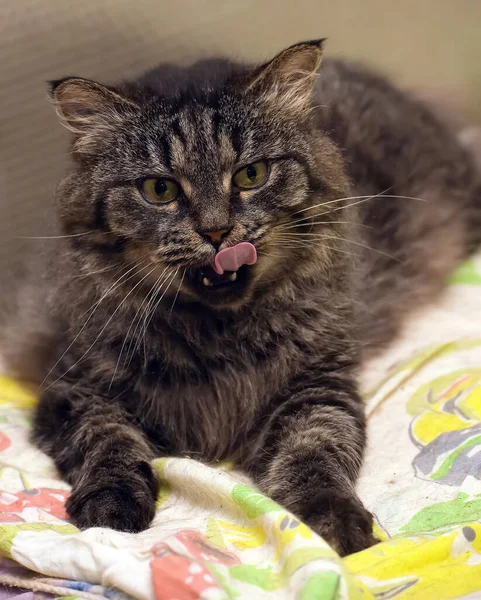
pixel 203 390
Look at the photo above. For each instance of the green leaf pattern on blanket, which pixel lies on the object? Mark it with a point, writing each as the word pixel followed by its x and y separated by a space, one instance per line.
pixel 253 503
pixel 321 586
pixel 436 518
pixel 8 533
pixel 271 579
pixel 302 556
pixel 263 578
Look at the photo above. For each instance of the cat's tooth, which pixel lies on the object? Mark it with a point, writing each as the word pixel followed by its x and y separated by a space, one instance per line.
pixel 207 282
pixel 232 277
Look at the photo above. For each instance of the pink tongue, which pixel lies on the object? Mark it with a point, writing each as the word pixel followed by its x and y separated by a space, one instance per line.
pixel 231 259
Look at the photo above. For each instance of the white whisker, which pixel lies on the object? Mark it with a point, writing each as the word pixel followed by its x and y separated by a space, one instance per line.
pixel 299 245
pixel 57 237
pixel 95 272
pixel 269 254
pixel 331 237
pixel 116 284
pixel 329 202
pixel 300 223
pixel 379 195
pixel 130 327
pixel 158 302
pixel 366 198
pixel 177 294
pixel 135 344
pixel 103 329
pixel 94 307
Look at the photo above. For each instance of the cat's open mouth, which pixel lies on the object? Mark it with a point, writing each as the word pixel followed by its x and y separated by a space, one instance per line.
pixel 207 281
pixel 227 277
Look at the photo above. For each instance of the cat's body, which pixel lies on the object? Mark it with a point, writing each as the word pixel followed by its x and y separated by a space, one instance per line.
pixel 268 376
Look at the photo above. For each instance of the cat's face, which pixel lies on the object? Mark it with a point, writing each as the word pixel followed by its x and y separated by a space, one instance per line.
pixel 171 181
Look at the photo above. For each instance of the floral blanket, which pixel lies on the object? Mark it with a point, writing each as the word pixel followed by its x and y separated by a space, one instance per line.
pixel 215 537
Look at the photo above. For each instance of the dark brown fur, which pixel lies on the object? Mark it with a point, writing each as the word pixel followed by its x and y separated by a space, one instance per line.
pixel 265 375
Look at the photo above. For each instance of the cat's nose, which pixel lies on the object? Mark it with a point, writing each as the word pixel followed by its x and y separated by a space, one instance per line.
pixel 216 237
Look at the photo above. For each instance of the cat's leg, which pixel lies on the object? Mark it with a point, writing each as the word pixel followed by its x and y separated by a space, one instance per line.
pixel 309 458
pixel 101 454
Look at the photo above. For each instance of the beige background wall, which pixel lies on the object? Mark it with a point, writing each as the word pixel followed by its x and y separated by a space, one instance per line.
pixel 430 43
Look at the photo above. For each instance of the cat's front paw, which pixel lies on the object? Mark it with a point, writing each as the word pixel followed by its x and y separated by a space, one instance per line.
pixel 123 502
pixel 341 519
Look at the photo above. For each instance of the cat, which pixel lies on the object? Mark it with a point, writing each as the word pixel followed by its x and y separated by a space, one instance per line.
pixel 236 240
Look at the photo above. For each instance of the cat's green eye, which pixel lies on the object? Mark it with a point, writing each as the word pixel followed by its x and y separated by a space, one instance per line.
pixel 160 191
pixel 251 176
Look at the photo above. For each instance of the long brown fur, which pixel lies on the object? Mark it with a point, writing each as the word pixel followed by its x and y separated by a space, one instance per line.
pixel 370 202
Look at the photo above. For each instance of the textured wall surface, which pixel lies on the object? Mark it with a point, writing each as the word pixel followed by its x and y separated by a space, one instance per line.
pixel 433 43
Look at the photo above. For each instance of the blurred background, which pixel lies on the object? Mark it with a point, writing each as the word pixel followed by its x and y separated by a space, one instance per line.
pixel 431 45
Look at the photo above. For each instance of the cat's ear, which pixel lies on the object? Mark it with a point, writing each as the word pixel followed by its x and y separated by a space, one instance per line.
pixel 88 109
pixel 288 79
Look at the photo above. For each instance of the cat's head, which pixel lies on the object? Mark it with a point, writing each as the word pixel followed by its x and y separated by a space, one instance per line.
pixel 166 180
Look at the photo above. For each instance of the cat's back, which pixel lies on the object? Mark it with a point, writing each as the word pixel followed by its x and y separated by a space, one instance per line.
pixel 416 192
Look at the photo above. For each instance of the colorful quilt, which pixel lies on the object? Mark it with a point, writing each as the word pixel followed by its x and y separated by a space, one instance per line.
pixel 216 537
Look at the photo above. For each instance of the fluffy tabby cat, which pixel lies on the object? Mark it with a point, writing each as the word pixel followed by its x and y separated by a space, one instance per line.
pixel 358 202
